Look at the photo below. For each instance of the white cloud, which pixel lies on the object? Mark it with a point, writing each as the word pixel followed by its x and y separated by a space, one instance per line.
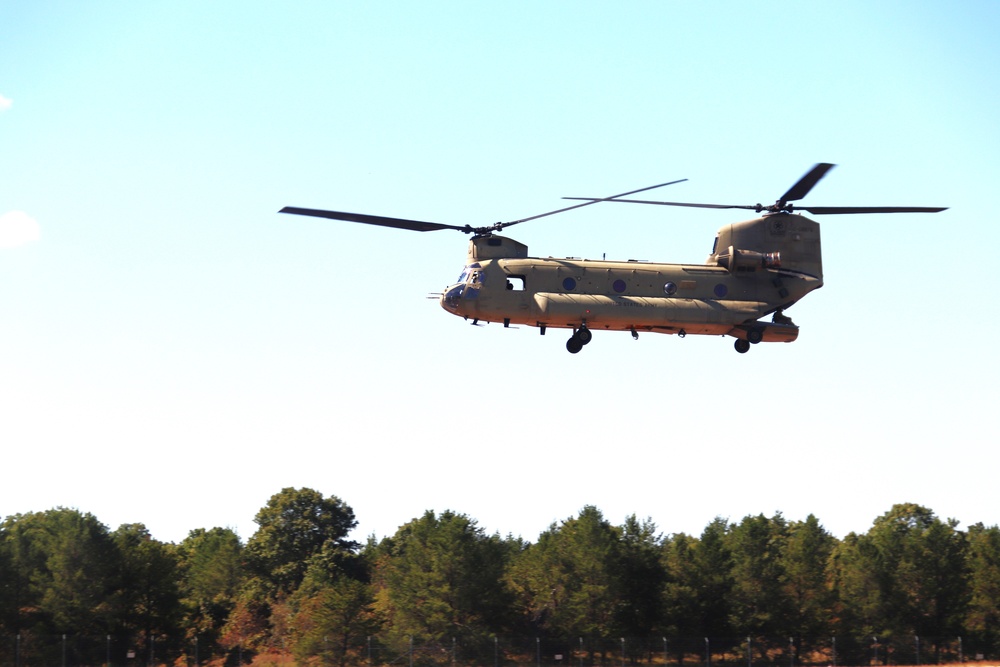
pixel 17 228
pixel 5 103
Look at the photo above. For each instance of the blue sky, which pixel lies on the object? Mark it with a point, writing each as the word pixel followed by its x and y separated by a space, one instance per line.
pixel 173 351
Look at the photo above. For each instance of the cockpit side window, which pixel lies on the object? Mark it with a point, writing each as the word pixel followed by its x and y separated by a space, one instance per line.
pixel 472 273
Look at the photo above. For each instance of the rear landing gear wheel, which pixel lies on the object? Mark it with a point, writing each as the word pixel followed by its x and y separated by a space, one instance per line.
pixel 755 336
pixel 574 345
pixel 742 346
pixel 584 335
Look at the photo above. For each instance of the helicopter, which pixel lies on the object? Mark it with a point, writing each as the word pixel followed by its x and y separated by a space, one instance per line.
pixel 757 268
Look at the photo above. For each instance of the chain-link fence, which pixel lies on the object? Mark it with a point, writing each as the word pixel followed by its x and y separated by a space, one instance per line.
pixel 32 650
pixel 499 651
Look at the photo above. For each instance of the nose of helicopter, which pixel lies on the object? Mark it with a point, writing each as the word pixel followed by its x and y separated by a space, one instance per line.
pixel 451 298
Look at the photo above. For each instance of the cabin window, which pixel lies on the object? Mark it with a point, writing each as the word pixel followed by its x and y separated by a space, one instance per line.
pixel 515 283
pixel 715 245
pixel 569 284
pixel 670 289
pixel 618 285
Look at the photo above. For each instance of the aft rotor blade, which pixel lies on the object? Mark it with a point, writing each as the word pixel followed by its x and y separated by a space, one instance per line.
pixel 836 210
pixel 807 182
pixel 661 203
pixel 816 210
pixel 588 202
pixel 382 221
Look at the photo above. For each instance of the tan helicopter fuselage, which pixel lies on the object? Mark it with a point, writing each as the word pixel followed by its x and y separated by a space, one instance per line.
pixel 757 267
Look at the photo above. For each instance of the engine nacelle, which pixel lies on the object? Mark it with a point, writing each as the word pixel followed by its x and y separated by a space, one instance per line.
pixel 743 261
pixel 791 240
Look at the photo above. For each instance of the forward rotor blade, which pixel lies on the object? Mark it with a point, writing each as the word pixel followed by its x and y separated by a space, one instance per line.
pixel 807 182
pixel 589 201
pixel 835 210
pixel 381 221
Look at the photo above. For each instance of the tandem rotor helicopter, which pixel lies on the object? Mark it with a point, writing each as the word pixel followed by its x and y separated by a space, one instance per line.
pixel 757 268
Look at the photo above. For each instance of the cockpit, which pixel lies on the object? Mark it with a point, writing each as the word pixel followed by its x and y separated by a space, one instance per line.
pixel 466 287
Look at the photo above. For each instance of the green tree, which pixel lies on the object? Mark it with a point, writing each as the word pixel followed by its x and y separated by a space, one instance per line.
pixel 680 591
pixel 698 590
pixel 148 594
pixel 211 572
pixel 335 614
pixel 857 606
pixel 295 526
pixel 569 582
pixel 907 576
pixel 806 560
pixel 15 584
pixel 62 579
pixel 443 576
pixel 983 612
pixel 760 606
pixel 643 575
pixel 923 571
pixel 714 579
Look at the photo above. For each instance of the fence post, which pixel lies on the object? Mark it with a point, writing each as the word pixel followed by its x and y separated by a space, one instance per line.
pixel 916 641
pixel 108 663
pixel 833 642
pixel 666 655
pixel 708 653
pixel 64 651
pixel 749 652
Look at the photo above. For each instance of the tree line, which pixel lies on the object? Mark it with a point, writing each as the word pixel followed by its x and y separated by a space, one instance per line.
pixel 300 587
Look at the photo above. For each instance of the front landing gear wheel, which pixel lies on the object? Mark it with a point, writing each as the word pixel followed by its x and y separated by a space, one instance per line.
pixel 574 345
pixel 742 346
